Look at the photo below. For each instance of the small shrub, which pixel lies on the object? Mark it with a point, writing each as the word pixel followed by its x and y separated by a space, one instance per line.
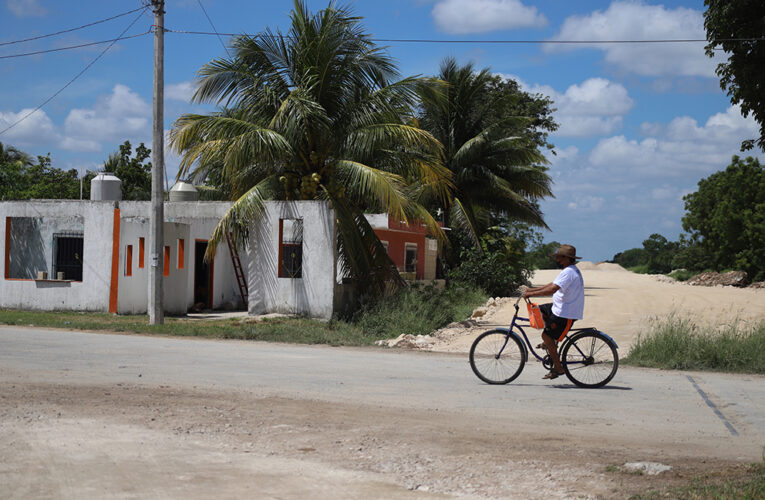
pixel 682 274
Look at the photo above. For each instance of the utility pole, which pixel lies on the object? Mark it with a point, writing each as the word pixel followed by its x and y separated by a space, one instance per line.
pixel 156 243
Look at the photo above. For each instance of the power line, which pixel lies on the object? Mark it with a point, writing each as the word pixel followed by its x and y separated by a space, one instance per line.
pixel 38 108
pixel 72 47
pixel 213 27
pixel 71 29
pixel 541 42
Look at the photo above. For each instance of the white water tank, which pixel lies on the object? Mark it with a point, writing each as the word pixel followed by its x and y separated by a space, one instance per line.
pixel 183 191
pixel 105 187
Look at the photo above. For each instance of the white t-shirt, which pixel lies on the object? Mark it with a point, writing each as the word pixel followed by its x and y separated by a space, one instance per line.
pixel 568 302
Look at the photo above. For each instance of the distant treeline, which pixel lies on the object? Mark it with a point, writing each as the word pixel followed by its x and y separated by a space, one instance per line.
pixel 724 224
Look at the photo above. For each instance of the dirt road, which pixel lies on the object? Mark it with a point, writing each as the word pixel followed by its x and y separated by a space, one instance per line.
pixel 623 304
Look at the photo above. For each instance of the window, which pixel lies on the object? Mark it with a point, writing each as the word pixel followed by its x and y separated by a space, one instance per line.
pixel 166 263
pixel 290 248
pixel 410 258
pixel 67 251
pixel 181 253
pixel 141 251
pixel 129 260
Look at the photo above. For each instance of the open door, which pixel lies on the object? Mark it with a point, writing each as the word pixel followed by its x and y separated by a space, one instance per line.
pixel 203 276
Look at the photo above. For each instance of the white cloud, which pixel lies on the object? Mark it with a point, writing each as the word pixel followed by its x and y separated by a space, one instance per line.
pixel 179 91
pixel 635 20
pixel 25 8
pixel 683 149
pixel 481 16
pixel 118 116
pixel 30 131
pixel 593 108
pixel 586 203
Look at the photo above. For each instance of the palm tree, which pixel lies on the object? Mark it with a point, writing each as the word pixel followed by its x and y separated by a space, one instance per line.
pixel 494 157
pixel 313 114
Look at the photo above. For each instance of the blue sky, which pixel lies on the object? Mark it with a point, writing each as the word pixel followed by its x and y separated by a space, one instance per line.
pixel 641 124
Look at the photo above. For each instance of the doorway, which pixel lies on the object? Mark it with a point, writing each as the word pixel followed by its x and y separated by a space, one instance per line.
pixel 203 276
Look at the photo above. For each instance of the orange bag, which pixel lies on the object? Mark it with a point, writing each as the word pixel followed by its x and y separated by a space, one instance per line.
pixel 535 316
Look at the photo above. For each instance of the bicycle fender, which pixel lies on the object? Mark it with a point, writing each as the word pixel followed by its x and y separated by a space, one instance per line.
pixel 610 339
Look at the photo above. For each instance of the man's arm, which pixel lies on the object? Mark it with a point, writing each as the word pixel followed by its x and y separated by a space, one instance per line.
pixel 542 291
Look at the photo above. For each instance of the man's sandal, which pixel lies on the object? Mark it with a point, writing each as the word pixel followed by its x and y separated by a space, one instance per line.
pixel 553 374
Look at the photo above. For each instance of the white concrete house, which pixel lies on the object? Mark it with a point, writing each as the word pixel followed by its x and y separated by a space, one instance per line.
pixel 94 256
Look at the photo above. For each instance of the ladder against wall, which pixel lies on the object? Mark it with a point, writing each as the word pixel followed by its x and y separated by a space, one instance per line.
pixel 240 278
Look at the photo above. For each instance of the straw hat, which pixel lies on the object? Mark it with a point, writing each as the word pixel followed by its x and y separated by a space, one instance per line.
pixel 566 251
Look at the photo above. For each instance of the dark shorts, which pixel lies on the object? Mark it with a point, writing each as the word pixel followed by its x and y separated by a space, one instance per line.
pixel 555 326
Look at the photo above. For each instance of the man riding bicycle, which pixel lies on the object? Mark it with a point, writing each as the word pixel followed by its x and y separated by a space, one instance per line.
pixel 567 291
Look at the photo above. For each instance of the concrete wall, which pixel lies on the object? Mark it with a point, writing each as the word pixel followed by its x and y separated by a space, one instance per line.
pixel 30 247
pixel 311 294
pixel 188 221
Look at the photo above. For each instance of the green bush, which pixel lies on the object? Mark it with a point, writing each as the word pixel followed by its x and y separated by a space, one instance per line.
pixel 679 344
pixel 682 274
pixel 494 273
pixel 418 311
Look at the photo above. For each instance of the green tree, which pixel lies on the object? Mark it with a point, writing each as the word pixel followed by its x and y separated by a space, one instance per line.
pixel 658 253
pixel 726 217
pixel 633 257
pixel 313 114
pixel 492 134
pixel 132 171
pixel 13 162
pixel 726 23
pixel 540 256
pixel 22 179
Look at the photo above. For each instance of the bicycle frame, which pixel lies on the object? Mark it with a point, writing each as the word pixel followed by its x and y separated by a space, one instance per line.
pixel 527 343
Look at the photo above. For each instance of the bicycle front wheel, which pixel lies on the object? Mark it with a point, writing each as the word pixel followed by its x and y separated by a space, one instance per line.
pixel 497 357
pixel 590 360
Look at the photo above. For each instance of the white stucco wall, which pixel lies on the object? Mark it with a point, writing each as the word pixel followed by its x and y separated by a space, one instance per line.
pixel 191 221
pixel 311 294
pixel 92 294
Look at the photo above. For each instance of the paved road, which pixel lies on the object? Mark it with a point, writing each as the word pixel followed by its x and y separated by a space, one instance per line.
pixel 379 422
pixel 692 407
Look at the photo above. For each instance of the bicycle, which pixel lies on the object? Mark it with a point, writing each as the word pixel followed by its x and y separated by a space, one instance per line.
pixel 588 356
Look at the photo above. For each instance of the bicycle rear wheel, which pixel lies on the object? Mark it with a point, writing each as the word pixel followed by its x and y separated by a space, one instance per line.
pixel 497 357
pixel 590 359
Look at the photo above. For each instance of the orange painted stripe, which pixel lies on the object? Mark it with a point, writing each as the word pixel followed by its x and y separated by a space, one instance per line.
pixel 115 262
pixel 181 253
pixel 7 247
pixel 141 251
pixel 129 261
pixel 166 267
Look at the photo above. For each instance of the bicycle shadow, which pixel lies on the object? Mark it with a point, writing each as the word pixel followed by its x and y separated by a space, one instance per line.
pixel 608 387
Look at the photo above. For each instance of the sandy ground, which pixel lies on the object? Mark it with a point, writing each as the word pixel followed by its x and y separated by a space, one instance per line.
pixel 623 304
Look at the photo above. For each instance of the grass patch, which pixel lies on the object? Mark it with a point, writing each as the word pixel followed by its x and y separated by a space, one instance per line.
pixel 640 269
pixel 419 311
pixel 682 274
pixel 411 311
pixel 679 344
pixel 292 330
pixel 751 485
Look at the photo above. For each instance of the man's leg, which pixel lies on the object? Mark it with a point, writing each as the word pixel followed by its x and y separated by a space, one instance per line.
pixel 552 350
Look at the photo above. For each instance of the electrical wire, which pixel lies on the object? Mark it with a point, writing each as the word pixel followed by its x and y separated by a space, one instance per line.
pixel 213 27
pixel 72 47
pixel 71 29
pixel 38 108
pixel 545 42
